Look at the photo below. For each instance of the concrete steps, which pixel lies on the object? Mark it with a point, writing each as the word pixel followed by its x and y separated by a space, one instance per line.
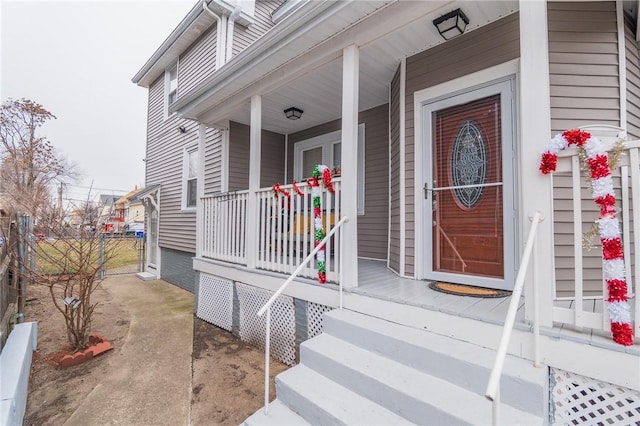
pixel 364 370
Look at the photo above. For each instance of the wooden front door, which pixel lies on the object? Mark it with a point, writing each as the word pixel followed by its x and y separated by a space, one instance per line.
pixel 467 206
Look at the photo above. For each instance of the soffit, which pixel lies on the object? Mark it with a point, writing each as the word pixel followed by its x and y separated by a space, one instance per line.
pixel 307 73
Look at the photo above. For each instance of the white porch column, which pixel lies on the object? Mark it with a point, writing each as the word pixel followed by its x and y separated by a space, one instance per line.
pixel 255 147
pixel 535 132
pixel 202 141
pixel 350 89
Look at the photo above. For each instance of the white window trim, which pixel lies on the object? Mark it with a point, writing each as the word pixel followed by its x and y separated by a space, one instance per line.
pixel 326 141
pixel 185 175
pixel 167 87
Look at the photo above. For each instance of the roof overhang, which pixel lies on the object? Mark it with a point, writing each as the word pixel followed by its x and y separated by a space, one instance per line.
pixel 192 26
pixel 311 38
pixel 149 191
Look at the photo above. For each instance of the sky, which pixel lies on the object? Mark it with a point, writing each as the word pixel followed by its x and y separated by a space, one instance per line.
pixel 77 59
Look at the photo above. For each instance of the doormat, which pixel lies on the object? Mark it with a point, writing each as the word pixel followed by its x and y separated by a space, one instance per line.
pixel 467 290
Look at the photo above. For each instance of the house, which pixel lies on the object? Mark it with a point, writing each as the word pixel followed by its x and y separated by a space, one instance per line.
pixel 129 209
pixel 432 117
pixel 110 218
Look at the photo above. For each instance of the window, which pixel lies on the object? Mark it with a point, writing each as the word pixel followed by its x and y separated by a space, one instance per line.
pixel 190 178
pixel 170 88
pixel 326 149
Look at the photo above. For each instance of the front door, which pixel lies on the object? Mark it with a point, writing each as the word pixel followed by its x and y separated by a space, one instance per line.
pixel 469 188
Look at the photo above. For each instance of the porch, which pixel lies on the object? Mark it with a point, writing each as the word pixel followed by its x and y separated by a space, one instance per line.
pixel 285 235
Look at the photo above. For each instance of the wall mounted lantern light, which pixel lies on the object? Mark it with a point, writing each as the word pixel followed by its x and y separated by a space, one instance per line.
pixel 293 113
pixel 451 24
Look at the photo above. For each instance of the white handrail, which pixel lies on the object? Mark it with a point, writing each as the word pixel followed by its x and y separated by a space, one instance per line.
pixel 492 391
pixel 267 306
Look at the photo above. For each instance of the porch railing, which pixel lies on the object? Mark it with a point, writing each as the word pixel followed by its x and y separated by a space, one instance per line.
pixel 267 306
pixel 493 387
pixel 285 229
pixel 224 227
pixel 583 306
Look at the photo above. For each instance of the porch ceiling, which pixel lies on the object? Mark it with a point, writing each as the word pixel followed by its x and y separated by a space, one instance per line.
pixel 312 80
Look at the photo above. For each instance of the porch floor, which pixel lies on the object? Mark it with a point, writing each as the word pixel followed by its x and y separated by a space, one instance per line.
pixel 377 281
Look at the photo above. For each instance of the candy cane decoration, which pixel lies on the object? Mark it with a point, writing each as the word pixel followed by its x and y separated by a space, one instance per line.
pixel 604 196
pixel 319 172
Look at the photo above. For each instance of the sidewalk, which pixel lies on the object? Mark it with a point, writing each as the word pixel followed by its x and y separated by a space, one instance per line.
pixel 152 384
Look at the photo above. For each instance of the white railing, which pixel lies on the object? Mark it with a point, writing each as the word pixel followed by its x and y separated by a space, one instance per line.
pixel 286 230
pixel 584 307
pixel 267 306
pixel 224 225
pixel 493 391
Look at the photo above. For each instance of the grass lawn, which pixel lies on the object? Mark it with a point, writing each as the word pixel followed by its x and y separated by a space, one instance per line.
pixel 63 256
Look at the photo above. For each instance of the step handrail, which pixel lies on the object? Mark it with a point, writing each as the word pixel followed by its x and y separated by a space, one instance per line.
pixel 267 306
pixel 492 392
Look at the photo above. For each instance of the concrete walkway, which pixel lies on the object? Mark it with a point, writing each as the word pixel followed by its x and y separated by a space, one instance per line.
pixel 152 383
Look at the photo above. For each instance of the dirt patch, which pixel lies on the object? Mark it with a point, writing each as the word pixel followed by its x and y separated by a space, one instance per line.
pixel 228 374
pixel 54 392
pixel 228 377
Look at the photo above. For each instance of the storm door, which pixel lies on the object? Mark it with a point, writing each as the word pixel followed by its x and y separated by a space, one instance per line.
pixel 469 188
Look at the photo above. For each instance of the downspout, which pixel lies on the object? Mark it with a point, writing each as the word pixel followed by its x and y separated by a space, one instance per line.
pixel 230 23
pixel 220 35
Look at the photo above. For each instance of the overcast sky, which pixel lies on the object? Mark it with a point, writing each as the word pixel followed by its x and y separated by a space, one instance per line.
pixel 77 60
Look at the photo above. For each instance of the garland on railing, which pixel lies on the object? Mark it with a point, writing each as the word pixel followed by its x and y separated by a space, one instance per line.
pixel 603 194
pixel 320 173
pixel 324 173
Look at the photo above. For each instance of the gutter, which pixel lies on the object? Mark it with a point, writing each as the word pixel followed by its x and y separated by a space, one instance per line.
pixel 220 34
pixel 303 20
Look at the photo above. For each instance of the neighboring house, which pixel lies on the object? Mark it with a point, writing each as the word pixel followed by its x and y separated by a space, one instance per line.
pixel 110 218
pixel 437 143
pixel 129 209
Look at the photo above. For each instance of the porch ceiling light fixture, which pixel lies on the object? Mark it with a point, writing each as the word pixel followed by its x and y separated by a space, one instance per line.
pixel 452 24
pixel 293 113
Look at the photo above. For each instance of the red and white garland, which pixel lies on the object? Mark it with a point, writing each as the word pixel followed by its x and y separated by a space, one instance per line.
pixel 320 173
pixel 604 196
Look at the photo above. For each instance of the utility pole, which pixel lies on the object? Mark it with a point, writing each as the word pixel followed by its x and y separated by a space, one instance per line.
pixel 60 201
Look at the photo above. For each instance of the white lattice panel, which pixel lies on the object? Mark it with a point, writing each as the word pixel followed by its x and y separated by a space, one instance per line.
pixel 582 400
pixel 314 318
pixel 215 301
pixel 283 325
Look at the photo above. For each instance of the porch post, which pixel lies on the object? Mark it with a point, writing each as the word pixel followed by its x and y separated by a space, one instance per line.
pixel 202 140
pixel 255 146
pixel 535 133
pixel 349 152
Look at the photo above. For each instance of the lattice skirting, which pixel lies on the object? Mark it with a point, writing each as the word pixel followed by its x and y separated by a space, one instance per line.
pixel 283 327
pixel 581 400
pixel 314 318
pixel 215 301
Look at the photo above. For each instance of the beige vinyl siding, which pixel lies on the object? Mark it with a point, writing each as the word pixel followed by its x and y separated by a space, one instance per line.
pixel 583 64
pixel 198 62
pixel 272 157
pixel 633 80
pixel 564 236
pixel 212 162
pixel 243 37
pixel 373 225
pixel 394 208
pixel 164 159
pixel 584 89
pixel 481 48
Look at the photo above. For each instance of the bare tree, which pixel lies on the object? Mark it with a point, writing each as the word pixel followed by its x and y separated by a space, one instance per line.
pixel 29 164
pixel 71 264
